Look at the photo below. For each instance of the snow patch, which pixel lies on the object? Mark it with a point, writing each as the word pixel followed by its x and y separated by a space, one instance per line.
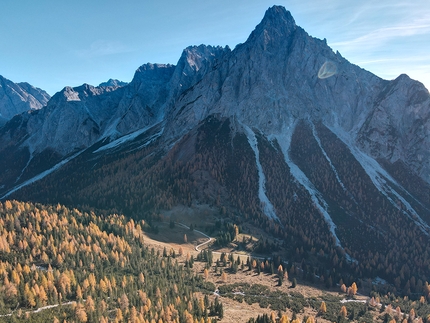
pixel 268 208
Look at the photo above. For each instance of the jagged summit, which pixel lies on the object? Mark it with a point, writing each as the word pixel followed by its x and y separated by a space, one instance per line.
pixel 78 93
pixel 16 98
pixel 278 16
pixel 113 83
pixel 194 63
pixel 267 83
pixel 197 57
pixel 150 71
pixel 278 23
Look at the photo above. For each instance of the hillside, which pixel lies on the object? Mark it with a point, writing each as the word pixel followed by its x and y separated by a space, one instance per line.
pixel 83 267
pixel 64 265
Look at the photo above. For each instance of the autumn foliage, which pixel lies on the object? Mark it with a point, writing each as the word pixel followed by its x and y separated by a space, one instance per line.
pixel 94 265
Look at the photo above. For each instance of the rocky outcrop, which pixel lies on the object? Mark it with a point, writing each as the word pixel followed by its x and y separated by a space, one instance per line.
pixel 275 79
pixel 398 126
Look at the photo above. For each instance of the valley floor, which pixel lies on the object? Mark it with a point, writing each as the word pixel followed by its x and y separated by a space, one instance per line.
pixel 235 311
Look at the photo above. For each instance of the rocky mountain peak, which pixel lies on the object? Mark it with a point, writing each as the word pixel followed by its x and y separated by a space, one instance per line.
pixel 113 83
pixel 73 93
pixel 277 23
pixel 194 63
pixel 152 71
pixel 197 57
pixel 16 98
pixel 152 75
pixel 78 93
pixel 278 15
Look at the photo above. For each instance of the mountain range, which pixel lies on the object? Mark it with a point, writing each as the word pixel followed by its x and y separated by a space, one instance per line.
pixel 280 133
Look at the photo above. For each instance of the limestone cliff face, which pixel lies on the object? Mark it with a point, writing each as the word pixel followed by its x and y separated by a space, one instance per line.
pixel 272 80
pixel 76 118
pixel 398 126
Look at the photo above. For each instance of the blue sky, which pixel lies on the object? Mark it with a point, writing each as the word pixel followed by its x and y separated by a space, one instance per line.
pixel 51 43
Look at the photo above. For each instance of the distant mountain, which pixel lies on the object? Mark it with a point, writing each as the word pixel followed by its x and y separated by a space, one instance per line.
pixel 281 134
pixel 113 83
pixel 16 98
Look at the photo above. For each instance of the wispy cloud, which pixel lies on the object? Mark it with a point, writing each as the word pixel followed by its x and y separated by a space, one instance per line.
pixel 363 11
pixel 369 24
pixel 389 60
pixel 381 36
pixel 387 38
pixel 103 48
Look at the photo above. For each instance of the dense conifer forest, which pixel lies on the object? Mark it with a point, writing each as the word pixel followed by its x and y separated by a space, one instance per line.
pixel 64 265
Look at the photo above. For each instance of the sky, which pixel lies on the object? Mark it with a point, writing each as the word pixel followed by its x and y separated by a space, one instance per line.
pixel 52 44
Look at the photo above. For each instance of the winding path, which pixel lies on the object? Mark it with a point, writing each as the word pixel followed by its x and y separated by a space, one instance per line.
pixel 203 234
pixel 41 308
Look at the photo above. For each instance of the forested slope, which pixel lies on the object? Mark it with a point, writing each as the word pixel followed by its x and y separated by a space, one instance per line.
pixel 91 268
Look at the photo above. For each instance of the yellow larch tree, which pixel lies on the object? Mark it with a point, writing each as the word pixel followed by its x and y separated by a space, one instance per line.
pixel 79 293
pixel 323 307
pixel 43 297
pixel 343 311
pixel 343 288
pixel 280 271
pixel 119 317
pixel 80 313
pixel 353 289
pixel 123 302
pixel 90 305
pixel 141 278
pixel 284 319
pixel 310 319
pixel 273 317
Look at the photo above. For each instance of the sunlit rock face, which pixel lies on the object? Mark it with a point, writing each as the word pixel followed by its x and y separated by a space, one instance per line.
pixel 281 74
pixel 272 80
